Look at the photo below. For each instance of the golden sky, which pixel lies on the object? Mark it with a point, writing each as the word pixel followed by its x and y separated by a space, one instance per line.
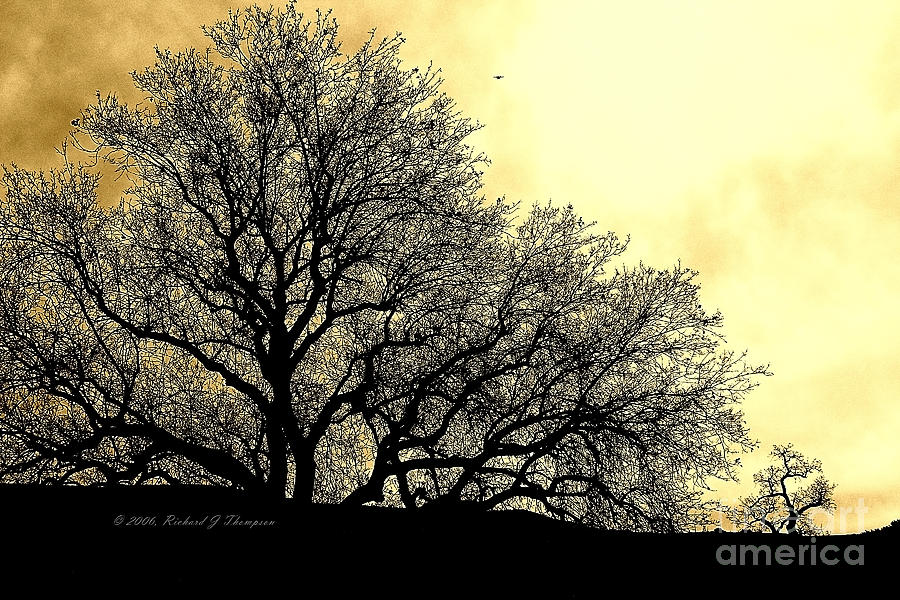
pixel 758 142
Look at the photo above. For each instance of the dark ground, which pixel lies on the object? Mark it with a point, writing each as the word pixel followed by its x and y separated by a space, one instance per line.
pixel 127 539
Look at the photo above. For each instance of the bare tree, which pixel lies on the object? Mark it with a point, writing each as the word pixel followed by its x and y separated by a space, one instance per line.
pixel 303 294
pixel 774 507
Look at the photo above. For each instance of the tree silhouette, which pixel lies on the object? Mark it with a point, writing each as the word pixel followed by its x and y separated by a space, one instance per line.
pixel 303 295
pixel 775 508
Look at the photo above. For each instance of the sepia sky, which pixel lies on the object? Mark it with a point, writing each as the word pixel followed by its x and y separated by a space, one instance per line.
pixel 757 142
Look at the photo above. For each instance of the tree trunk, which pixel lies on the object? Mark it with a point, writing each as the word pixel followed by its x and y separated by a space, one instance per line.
pixel 372 490
pixel 277 480
pixel 304 475
pixel 791 527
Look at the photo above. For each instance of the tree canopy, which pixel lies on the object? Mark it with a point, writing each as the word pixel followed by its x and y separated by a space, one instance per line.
pixel 304 294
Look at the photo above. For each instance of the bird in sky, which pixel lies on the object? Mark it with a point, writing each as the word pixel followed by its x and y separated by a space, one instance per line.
pixel 498 76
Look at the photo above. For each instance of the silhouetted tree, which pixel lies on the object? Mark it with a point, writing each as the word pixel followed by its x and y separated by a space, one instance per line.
pixel 302 294
pixel 775 508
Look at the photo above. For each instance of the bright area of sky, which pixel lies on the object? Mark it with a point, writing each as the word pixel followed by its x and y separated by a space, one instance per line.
pixel 757 142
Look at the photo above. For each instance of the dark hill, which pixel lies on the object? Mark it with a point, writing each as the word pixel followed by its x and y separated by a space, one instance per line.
pixel 116 537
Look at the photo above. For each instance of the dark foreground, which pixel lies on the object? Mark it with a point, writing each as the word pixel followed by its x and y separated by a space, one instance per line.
pixel 154 539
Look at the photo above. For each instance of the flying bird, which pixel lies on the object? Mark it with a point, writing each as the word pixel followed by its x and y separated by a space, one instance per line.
pixel 498 76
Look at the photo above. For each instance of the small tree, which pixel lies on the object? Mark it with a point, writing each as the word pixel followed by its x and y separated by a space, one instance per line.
pixel 776 509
